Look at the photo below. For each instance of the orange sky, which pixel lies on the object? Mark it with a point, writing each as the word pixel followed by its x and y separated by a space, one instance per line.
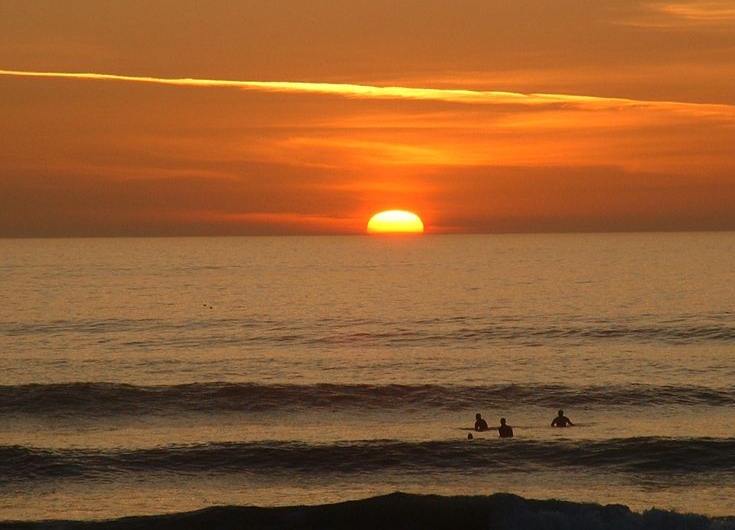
pixel 224 117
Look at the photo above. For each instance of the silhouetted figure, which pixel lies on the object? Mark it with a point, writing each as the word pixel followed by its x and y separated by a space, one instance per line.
pixel 505 430
pixel 480 424
pixel 561 420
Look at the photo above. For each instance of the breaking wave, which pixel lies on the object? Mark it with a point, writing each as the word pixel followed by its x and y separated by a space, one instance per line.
pixel 401 511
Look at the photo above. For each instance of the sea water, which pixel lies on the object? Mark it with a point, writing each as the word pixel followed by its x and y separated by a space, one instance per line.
pixel 152 376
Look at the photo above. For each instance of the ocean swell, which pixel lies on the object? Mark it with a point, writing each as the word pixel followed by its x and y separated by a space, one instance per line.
pixel 105 399
pixel 468 331
pixel 643 456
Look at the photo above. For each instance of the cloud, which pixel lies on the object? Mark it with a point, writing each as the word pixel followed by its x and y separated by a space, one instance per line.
pixel 699 11
pixel 449 95
pixel 686 14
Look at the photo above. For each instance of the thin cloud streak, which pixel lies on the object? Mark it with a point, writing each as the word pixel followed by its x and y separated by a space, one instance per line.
pixel 357 91
pixel 702 11
pixel 683 15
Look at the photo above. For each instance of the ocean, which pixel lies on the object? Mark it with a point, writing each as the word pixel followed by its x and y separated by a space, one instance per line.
pixel 326 380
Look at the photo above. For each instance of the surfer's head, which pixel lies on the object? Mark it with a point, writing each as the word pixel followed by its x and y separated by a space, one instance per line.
pixel 560 413
pixel 478 416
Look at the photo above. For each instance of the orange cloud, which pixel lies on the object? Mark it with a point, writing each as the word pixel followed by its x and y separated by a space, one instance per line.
pixel 478 97
pixel 699 11
pixel 686 14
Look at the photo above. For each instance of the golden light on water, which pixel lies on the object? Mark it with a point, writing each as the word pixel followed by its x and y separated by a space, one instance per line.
pixel 395 222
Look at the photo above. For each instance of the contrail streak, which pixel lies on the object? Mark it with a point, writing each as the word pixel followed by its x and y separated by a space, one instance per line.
pixel 476 97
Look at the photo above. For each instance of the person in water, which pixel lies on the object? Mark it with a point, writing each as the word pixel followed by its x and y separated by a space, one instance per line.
pixel 480 424
pixel 561 420
pixel 505 430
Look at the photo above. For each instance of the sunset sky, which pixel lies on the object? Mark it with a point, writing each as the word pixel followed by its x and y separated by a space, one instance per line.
pixel 228 117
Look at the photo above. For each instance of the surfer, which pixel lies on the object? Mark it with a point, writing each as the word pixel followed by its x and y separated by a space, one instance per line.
pixel 505 430
pixel 561 420
pixel 480 424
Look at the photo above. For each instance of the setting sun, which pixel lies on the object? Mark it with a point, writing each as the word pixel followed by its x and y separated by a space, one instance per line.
pixel 395 222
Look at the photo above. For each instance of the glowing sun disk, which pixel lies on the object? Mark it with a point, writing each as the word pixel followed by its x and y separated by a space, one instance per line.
pixel 395 222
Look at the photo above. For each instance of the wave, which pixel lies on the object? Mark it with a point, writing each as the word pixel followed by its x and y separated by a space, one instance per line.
pixel 400 510
pixel 466 331
pixel 643 456
pixel 105 399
